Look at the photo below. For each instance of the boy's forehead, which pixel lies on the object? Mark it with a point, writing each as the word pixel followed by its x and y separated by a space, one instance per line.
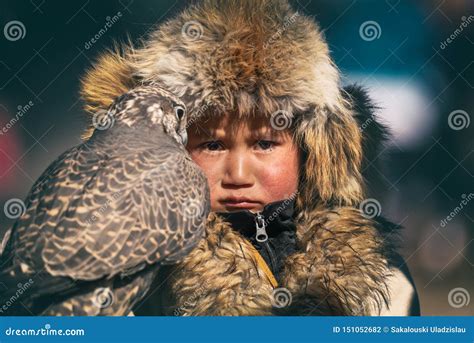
pixel 226 123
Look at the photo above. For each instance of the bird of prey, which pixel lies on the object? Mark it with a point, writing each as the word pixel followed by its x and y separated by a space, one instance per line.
pixel 107 213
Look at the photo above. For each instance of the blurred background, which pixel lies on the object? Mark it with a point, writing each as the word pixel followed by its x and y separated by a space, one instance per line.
pixel 415 57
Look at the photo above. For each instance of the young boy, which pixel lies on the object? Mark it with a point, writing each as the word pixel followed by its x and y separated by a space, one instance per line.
pixel 281 145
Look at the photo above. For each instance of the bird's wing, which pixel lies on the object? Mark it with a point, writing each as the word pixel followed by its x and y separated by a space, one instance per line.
pixel 47 202
pixel 106 298
pixel 150 206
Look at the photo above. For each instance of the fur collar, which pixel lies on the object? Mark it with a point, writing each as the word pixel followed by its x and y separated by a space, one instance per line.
pixel 340 268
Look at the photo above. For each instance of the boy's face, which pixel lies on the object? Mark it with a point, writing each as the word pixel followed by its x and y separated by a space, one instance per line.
pixel 248 163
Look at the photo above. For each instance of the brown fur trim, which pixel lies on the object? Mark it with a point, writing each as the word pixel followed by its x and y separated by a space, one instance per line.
pixel 341 269
pixel 110 77
pixel 332 144
pixel 221 277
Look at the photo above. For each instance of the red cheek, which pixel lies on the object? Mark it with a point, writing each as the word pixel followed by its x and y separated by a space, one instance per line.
pixel 280 177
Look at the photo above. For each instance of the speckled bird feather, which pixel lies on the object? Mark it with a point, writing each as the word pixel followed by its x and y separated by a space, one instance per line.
pixel 109 210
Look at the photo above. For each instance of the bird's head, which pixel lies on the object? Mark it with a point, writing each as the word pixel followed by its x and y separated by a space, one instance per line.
pixel 153 107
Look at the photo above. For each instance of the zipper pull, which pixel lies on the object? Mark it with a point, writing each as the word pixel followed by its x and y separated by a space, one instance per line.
pixel 261 234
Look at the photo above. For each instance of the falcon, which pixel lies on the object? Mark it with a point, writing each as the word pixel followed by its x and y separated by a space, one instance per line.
pixel 106 214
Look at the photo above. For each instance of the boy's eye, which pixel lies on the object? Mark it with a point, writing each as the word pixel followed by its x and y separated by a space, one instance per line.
pixel 265 145
pixel 212 145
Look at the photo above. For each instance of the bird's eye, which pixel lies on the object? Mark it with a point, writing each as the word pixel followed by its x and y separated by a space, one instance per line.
pixel 180 111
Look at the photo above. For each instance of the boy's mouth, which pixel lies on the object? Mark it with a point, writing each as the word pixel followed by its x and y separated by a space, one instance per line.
pixel 240 203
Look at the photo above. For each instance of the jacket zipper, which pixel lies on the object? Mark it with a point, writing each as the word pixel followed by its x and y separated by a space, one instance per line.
pixel 262 237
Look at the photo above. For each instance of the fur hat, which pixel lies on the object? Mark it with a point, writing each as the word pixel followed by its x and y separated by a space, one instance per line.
pixel 246 57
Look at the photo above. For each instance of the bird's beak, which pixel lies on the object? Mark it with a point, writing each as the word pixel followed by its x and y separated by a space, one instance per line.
pixel 184 137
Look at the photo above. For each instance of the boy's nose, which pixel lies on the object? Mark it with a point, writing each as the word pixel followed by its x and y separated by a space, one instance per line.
pixel 238 171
